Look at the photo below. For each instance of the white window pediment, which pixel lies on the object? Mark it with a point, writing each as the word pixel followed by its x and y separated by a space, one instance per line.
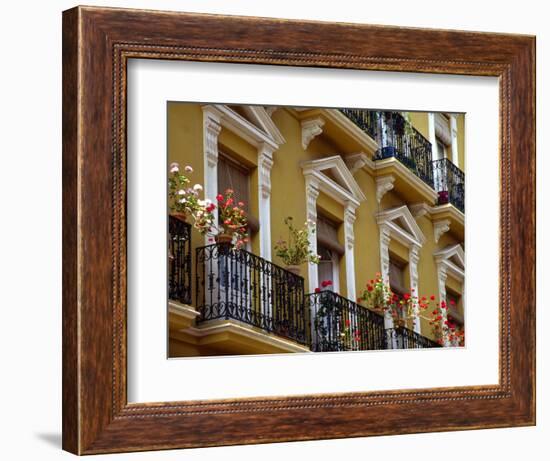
pixel 334 179
pixel 452 259
pixel 255 128
pixel 261 118
pixel 403 225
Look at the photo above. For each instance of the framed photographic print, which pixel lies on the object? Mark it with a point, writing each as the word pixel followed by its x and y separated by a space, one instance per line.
pixel 281 230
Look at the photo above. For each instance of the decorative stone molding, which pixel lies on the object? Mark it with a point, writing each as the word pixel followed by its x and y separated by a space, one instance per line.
pixel 265 163
pixel 383 185
pixel 358 161
pixel 449 261
pixel 312 192
pixel 440 227
pixel 399 223
pixel 420 209
pixel 310 128
pixel 442 287
pixel 211 130
pixel 342 187
pixel 443 128
pixel 385 240
pixel 454 139
pixel 349 220
pixel 402 226
pixel 263 134
pixel 414 258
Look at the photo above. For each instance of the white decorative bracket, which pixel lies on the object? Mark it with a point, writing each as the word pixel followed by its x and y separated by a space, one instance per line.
pixel 419 209
pixel 310 128
pixel 440 227
pixel 383 185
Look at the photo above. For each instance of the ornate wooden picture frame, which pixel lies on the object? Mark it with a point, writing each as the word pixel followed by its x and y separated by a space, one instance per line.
pixel 97 44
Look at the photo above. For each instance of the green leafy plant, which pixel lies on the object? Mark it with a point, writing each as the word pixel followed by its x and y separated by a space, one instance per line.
pixel 379 297
pixel 296 249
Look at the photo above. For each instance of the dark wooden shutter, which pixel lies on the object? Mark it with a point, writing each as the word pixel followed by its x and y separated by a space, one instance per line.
pixel 232 175
pixel 397 277
pixel 327 235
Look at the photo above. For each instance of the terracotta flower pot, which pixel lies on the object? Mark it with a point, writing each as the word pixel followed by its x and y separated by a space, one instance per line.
pixel 224 238
pixel 401 323
pixel 294 269
pixel 181 216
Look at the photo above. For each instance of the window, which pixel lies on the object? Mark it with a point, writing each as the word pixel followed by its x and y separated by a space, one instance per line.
pixel 440 150
pixel 233 175
pixel 325 268
pixel 330 251
pixel 397 276
pixel 454 311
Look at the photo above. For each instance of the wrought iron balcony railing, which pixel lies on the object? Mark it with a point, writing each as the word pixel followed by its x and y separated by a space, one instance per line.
pixel 396 138
pixel 367 120
pixel 238 285
pixel 342 325
pixel 179 260
pixel 399 139
pixel 449 183
pixel 404 338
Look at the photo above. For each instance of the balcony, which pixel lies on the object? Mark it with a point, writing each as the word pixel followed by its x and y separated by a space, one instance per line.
pixel 449 183
pixel 179 260
pixel 367 120
pixel 342 325
pixel 396 138
pixel 240 286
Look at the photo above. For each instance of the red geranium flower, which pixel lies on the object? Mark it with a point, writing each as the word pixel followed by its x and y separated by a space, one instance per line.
pixel 317 290
pixel 432 297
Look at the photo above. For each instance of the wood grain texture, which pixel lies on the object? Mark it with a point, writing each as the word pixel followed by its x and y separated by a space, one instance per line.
pixel 97 42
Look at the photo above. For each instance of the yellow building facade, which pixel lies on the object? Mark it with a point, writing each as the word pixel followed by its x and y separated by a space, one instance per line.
pixel 385 189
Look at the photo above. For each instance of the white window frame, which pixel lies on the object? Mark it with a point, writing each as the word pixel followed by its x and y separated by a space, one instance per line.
pixel 411 237
pixel 446 267
pixel 349 195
